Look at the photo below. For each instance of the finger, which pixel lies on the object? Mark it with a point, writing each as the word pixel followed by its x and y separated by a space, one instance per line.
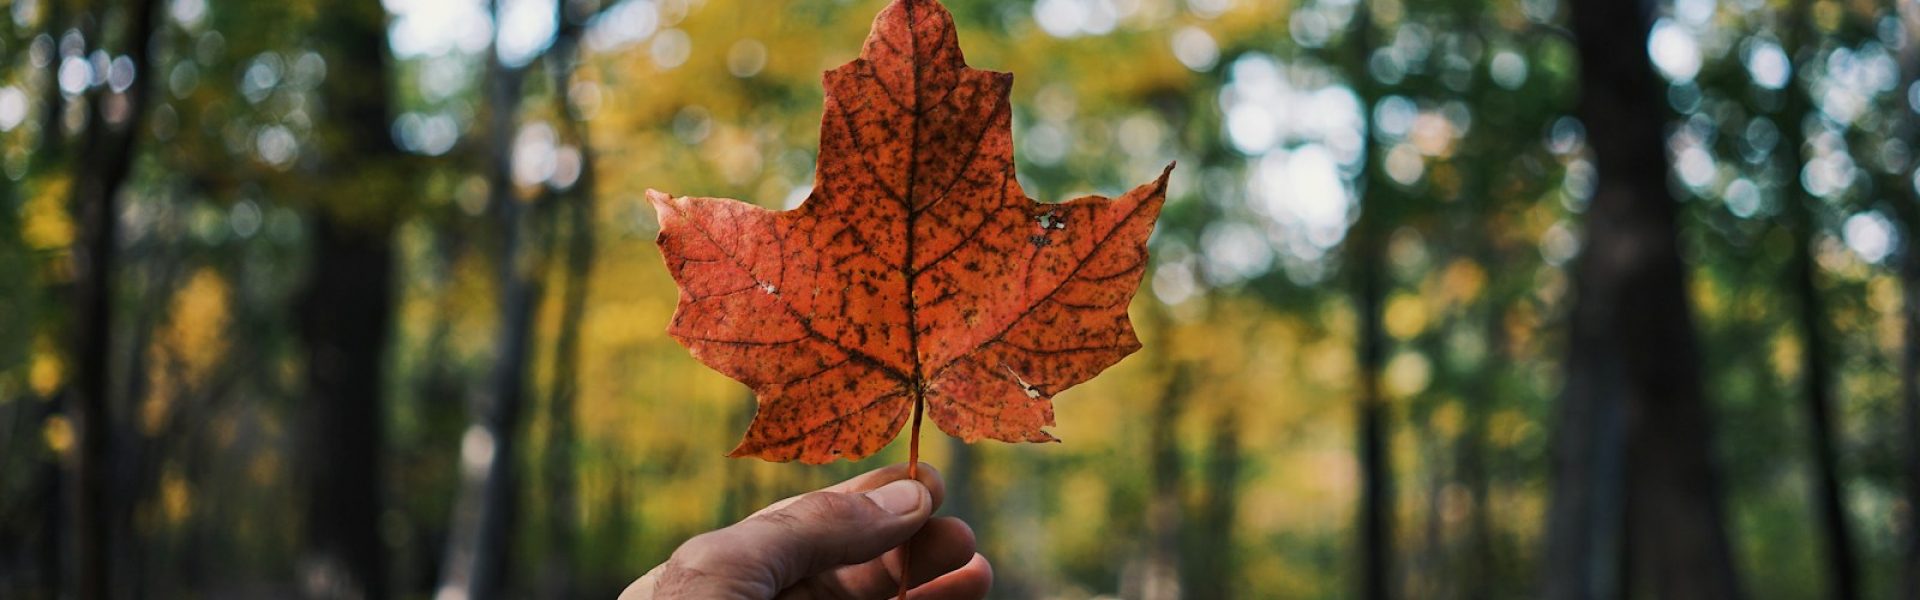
pixel 970 582
pixel 869 480
pixel 819 531
pixel 943 545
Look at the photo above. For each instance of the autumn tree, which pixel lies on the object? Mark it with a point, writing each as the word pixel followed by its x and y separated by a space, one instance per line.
pixel 346 310
pixel 1366 244
pixel 105 159
pixel 1636 505
pixel 1802 222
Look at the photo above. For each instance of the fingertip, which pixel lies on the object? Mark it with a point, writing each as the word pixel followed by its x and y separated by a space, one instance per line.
pixel 980 566
pixel 955 531
pixel 903 497
pixel 942 546
pixel 969 582
pixel 926 474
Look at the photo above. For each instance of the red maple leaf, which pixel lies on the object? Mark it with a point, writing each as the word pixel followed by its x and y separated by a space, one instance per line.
pixel 916 275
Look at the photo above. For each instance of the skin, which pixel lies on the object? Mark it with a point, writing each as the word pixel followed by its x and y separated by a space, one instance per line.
pixel 843 542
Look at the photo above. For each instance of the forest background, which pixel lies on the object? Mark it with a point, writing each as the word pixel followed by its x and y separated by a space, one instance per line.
pixel 1451 298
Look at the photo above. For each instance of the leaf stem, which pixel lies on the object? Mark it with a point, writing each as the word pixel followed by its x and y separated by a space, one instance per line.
pixel 913 472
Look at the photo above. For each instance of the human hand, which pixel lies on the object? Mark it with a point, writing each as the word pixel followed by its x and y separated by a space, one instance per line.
pixel 844 541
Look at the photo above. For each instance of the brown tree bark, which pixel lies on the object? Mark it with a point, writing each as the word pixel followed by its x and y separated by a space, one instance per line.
pixel 1365 244
pixel 578 203
pixel 1816 380
pixel 1160 562
pixel 101 169
pixel 485 513
pixel 1910 400
pixel 345 310
pixel 1909 216
pixel 1211 570
pixel 1636 506
pixel 1376 470
pixel 1165 507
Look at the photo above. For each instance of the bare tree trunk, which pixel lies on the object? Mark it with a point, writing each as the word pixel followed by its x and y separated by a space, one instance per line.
pixel 1910 398
pixel 53 101
pixel 346 315
pixel 579 205
pixel 1816 378
pixel 1164 506
pixel 346 309
pixel 485 514
pixel 1633 360
pixel 1817 393
pixel 101 169
pixel 1159 575
pixel 1909 215
pixel 1478 579
pixel 1365 242
pixel 1212 567
pixel 1376 472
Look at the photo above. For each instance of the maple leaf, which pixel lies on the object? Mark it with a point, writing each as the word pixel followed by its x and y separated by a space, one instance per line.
pixel 916 274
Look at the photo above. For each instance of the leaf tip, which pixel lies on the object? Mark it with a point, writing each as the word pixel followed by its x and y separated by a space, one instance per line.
pixel 662 203
pixel 658 198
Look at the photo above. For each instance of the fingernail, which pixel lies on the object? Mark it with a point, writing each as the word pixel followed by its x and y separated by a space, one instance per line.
pixel 900 497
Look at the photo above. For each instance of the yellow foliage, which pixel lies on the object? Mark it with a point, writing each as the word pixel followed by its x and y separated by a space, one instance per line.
pixel 58 433
pixel 45 223
pixel 1330 363
pixel 186 350
pixel 1463 281
pixel 1407 374
pixel 45 373
pixel 1707 295
pixel 176 496
pixel 1406 316
pixel 264 468
pixel 1784 355
pixel 1448 419
pixel 1509 428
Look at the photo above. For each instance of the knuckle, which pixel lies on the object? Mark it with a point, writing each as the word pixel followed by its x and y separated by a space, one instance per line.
pixel 787 519
pixel 695 565
pixel 702 550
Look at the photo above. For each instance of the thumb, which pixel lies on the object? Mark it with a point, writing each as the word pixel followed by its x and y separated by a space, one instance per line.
pixel 818 531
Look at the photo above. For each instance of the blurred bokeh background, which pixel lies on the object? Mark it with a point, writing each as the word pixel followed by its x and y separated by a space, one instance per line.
pixel 359 298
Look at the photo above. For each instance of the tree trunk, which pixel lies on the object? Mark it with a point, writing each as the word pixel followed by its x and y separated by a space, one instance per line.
pixel 53 101
pixel 346 308
pixel 1817 393
pixel 347 312
pixel 1910 399
pixel 1909 215
pixel 1365 242
pixel 579 205
pixel 1212 567
pixel 1376 472
pixel 1633 389
pixel 1164 506
pixel 1816 378
pixel 100 170
pixel 1479 579
pixel 484 516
